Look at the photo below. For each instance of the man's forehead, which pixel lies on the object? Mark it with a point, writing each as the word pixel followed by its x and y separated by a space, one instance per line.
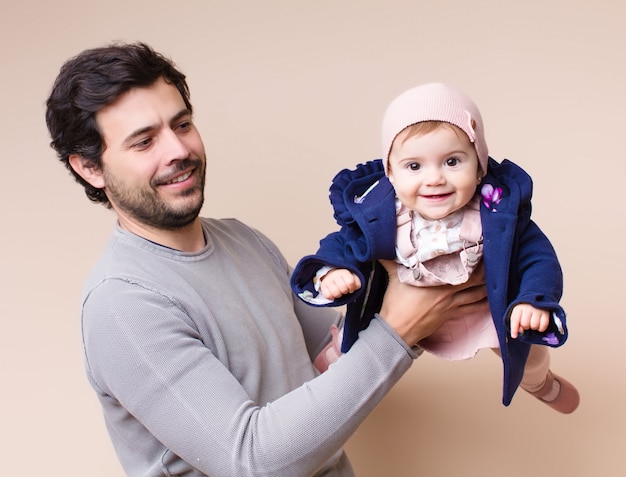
pixel 140 108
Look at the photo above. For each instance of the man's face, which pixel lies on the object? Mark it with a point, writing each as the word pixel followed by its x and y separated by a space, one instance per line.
pixel 153 165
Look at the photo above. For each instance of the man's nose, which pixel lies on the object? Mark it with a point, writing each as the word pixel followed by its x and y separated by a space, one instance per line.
pixel 174 148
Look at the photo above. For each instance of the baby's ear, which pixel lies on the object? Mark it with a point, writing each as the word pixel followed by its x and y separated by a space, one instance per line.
pixel 480 175
pixel 87 170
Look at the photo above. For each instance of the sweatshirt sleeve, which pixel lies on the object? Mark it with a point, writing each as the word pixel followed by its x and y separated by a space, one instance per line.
pixel 151 369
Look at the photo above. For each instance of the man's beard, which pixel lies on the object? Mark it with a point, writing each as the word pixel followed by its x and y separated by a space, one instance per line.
pixel 146 206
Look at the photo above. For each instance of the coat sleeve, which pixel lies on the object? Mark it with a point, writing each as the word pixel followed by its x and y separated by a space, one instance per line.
pixel 535 275
pixel 359 239
pixel 540 284
pixel 333 252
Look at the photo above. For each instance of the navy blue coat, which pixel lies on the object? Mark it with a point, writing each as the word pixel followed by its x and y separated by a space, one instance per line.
pixel 521 265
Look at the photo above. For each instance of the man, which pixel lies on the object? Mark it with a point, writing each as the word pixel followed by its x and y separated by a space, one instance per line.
pixel 199 354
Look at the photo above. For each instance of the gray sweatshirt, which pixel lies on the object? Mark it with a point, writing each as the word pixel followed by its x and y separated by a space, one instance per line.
pixel 202 361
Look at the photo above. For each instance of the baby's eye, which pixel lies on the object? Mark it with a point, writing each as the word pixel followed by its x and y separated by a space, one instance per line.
pixel 452 161
pixel 414 166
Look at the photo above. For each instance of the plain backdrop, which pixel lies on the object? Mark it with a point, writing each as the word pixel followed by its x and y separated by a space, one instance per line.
pixel 286 93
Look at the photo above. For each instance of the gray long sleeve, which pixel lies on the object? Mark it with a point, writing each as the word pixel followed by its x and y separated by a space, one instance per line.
pixel 202 367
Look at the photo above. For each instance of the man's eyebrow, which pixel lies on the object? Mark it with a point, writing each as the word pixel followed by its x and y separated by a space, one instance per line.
pixel 139 132
pixel 181 114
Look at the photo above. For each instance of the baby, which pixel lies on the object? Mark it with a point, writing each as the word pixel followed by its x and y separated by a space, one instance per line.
pixel 440 207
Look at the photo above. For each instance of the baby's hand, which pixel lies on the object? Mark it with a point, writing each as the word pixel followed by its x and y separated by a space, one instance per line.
pixel 527 317
pixel 339 282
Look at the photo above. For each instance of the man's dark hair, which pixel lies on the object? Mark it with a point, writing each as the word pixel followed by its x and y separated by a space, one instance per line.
pixel 92 80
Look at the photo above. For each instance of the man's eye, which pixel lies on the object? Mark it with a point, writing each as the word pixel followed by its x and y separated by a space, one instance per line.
pixel 143 144
pixel 184 126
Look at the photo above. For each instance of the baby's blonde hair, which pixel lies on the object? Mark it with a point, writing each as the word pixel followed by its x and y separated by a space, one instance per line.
pixel 424 127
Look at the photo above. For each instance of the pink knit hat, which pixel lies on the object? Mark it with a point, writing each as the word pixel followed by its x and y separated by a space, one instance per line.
pixel 434 102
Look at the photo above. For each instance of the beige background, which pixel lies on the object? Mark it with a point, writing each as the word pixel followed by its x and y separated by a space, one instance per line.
pixel 287 93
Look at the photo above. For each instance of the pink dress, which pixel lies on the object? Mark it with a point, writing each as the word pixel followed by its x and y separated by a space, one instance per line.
pixel 445 252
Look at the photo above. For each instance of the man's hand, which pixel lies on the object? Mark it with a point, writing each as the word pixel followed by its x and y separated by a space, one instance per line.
pixel 416 312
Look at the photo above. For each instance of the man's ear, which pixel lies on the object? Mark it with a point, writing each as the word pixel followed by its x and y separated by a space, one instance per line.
pixel 87 170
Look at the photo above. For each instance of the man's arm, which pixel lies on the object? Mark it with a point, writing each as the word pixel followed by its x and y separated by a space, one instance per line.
pixel 151 360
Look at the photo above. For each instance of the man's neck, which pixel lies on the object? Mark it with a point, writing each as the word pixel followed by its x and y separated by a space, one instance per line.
pixel 186 239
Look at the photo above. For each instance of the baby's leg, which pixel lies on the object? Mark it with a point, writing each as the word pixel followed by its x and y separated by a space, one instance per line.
pixel 536 369
pixel 549 388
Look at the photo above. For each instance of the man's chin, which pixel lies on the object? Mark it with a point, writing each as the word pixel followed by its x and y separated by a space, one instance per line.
pixel 181 220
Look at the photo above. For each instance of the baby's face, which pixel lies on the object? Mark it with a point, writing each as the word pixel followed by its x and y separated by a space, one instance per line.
pixel 434 174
